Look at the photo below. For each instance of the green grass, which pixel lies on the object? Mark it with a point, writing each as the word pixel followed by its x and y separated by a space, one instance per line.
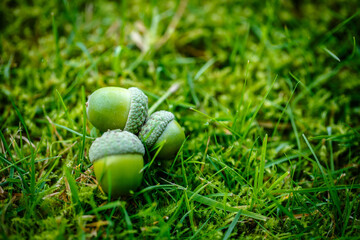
pixel 267 93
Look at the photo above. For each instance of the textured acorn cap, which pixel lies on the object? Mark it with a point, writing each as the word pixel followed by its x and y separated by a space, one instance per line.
pixel 154 127
pixel 115 142
pixel 138 110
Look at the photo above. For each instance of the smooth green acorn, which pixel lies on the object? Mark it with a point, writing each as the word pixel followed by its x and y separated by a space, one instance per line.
pixel 117 157
pixel 162 128
pixel 111 108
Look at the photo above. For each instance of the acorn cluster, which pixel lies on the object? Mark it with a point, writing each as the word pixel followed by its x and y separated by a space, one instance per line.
pixel 122 116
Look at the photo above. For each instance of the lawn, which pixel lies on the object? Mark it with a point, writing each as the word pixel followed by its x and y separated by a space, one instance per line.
pixel 267 92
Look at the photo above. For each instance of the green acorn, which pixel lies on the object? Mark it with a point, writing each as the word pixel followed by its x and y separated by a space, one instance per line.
pixel 162 128
pixel 117 157
pixel 111 108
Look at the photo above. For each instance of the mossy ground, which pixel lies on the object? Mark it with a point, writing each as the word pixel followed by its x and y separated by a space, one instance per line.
pixel 268 94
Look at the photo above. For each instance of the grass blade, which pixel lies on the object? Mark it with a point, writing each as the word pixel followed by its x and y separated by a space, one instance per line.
pixel 316 189
pixel 107 206
pixel 331 54
pixel 329 184
pixel 232 226
pixel 192 90
pixel 204 68
pixel 213 203
pixel 258 109
pixel 82 150
pixel 73 190
pixel 169 92
pixel 262 163
pixel 65 109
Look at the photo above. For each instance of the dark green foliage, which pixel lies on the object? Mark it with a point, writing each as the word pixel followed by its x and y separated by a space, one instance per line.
pixel 267 92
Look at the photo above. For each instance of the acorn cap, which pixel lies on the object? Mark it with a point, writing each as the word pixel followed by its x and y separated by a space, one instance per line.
pixel 138 110
pixel 115 142
pixel 154 127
